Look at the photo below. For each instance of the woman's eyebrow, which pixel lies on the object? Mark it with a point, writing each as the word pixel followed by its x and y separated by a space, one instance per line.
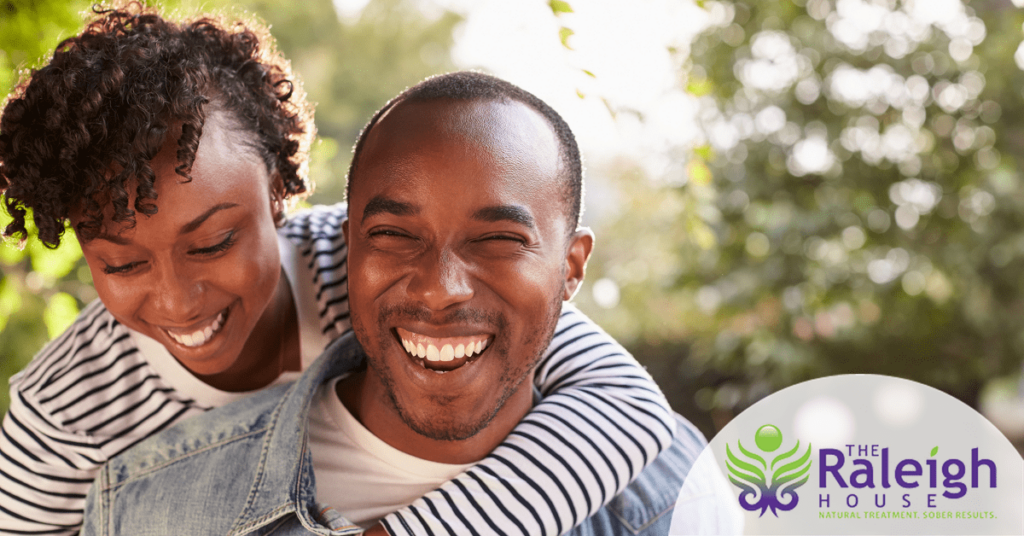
pixel 185 229
pixel 194 224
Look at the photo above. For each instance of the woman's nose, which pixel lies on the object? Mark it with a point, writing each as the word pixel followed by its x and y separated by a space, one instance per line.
pixel 177 295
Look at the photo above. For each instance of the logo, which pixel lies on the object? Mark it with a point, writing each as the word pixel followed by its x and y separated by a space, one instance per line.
pixel 855 454
pixel 787 471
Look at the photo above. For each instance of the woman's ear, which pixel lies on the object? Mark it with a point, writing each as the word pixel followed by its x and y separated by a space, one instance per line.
pixel 278 205
pixel 581 243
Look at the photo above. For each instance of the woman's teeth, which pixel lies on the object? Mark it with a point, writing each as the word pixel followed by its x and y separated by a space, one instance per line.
pixel 447 352
pixel 199 337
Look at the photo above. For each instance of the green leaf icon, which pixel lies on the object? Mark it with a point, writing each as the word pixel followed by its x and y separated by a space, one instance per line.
pixel 935 451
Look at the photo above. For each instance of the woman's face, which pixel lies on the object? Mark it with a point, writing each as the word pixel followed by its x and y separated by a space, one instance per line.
pixel 198 275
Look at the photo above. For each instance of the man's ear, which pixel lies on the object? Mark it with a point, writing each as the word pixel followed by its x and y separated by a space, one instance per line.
pixel 344 231
pixel 581 243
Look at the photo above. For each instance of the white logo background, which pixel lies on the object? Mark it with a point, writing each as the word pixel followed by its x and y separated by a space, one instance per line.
pixel 860 415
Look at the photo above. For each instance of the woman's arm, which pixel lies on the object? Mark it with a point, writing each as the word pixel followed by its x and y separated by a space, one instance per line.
pixel 44 475
pixel 601 420
pixel 86 396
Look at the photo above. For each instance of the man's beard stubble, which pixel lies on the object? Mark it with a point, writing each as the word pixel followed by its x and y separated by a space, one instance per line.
pixel 446 427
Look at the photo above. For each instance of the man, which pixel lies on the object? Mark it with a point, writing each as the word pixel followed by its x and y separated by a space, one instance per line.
pixel 463 242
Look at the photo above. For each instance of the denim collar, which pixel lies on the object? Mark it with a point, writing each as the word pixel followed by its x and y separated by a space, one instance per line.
pixel 285 456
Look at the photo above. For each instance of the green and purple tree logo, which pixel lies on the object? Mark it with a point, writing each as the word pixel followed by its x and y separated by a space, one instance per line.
pixel 787 471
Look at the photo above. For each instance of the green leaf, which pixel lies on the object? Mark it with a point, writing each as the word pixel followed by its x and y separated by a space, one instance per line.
pixel 563 35
pixel 705 152
pixel 55 263
pixel 935 451
pixel 558 7
pixel 10 253
pixel 741 466
pixel 580 94
pixel 698 172
pixel 588 73
pixel 699 86
pixel 10 300
pixel 60 313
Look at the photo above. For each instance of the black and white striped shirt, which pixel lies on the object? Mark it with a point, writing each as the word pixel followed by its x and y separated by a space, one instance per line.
pixel 99 388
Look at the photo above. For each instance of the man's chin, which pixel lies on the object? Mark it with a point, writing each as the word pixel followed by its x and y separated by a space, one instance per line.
pixel 438 423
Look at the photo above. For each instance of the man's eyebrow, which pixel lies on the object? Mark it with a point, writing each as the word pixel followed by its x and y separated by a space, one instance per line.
pixel 513 213
pixel 194 224
pixel 383 205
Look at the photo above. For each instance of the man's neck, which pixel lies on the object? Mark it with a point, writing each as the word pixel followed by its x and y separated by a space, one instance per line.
pixel 364 396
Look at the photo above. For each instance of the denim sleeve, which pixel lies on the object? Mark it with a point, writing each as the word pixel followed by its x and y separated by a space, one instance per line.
pixel 95 520
pixel 602 419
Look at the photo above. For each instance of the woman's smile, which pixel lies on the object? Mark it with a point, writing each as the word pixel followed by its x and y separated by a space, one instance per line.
pixel 200 333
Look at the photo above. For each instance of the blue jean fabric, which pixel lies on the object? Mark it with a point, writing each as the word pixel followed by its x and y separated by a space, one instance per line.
pixel 246 469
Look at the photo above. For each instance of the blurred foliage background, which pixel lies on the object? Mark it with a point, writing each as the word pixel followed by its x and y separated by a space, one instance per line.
pixel 852 203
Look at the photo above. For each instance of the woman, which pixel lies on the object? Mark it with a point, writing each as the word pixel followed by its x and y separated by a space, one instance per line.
pixel 173 151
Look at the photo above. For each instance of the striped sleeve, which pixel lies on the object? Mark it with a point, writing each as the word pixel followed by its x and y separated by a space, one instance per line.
pixel 44 474
pixel 85 397
pixel 602 419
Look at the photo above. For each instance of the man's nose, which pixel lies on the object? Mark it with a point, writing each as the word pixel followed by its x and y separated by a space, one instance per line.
pixel 440 280
pixel 176 295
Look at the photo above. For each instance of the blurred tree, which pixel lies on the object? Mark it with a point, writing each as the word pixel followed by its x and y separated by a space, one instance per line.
pixel 41 290
pixel 350 67
pixel 856 206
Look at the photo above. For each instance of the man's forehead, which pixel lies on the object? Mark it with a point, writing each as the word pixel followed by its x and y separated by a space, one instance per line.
pixel 507 128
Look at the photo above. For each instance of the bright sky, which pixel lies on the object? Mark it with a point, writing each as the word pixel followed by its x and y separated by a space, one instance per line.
pixel 624 44
pixel 626 47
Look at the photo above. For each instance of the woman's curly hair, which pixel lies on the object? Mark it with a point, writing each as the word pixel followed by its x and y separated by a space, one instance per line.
pixel 84 128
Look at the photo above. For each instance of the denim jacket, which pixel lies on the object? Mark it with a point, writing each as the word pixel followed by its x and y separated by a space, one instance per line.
pixel 246 469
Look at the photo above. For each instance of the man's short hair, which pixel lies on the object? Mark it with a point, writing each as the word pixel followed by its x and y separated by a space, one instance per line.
pixel 470 85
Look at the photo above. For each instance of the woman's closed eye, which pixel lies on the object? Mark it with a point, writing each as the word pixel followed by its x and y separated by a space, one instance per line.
pixel 121 268
pixel 219 247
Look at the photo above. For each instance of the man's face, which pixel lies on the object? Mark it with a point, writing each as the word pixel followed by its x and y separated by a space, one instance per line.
pixel 459 257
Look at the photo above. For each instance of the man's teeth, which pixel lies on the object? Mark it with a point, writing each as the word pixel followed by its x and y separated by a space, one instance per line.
pixel 199 337
pixel 447 352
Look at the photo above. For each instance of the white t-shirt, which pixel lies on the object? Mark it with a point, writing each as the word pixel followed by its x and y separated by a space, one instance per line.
pixel 356 472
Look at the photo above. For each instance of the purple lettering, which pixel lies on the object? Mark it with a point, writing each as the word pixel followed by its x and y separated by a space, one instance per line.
pixel 863 477
pixel 952 480
pixel 976 465
pixel 885 468
pixel 902 471
pixel 827 468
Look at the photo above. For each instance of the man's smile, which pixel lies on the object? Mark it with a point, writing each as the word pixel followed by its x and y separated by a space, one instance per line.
pixel 443 353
